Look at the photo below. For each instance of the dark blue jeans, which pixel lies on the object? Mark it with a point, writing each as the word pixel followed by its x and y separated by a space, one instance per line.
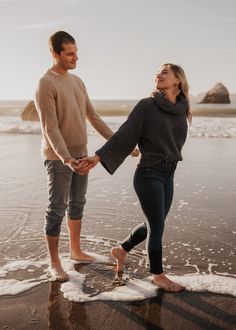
pixel 154 187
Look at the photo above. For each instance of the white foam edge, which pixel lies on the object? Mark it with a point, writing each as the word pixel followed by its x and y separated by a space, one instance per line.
pixel 136 289
pixel 14 286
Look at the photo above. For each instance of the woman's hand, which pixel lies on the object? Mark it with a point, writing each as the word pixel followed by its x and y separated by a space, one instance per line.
pixel 135 153
pixel 86 164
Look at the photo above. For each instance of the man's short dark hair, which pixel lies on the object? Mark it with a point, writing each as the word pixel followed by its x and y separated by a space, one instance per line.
pixel 57 40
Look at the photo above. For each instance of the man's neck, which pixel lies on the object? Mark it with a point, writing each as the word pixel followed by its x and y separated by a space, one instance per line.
pixel 59 70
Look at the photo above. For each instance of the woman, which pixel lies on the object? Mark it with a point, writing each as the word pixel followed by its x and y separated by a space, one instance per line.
pixel 158 124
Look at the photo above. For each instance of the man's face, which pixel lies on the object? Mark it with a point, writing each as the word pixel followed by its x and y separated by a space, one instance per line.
pixel 68 57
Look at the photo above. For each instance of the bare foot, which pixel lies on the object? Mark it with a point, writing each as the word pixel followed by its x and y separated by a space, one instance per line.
pixel 82 257
pixel 58 274
pixel 118 280
pixel 119 253
pixel 163 282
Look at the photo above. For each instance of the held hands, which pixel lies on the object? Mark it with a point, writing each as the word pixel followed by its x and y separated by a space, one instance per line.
pixel 83 165
pixel 87 163
pixel 72 163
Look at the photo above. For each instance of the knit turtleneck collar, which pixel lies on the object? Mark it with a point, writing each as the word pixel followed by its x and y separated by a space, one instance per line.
pixel 179 108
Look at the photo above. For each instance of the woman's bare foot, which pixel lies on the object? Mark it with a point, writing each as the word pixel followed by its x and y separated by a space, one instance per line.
pixel 58 274
pixel 163 282
pixel 82 257
pixel 119 253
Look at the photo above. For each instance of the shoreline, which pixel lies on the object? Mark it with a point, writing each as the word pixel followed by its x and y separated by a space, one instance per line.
pixel 203 112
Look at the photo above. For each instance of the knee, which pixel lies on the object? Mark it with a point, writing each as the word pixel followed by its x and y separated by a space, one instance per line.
pixel 143 231
pixel 154 240
pixel 53 220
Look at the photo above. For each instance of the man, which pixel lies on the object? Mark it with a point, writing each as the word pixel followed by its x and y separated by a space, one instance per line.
pixel 63 106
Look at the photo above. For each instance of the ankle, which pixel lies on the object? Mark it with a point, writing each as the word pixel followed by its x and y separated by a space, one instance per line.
pixel 122 250
pixel 158 276
pixel 56 263
pixel 74 251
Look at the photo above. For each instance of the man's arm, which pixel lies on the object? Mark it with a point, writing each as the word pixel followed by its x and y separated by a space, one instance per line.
pixel 95 120
pixel 46 107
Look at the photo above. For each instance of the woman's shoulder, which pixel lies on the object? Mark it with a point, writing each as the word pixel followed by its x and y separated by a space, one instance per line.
pixel 145 102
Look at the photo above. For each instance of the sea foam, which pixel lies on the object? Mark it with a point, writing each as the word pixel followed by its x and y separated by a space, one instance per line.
pixel 202 127
pixel 135 289
pixel 14 125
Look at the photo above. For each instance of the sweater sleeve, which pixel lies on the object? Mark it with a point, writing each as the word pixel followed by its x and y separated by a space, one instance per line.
pixel 95 120
pixel 46 106
pixel 120 145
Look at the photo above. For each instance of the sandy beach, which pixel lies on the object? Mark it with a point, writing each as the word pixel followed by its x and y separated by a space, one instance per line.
pixel 199 240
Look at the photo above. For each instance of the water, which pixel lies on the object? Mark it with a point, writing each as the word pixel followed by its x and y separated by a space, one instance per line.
pixel 201 126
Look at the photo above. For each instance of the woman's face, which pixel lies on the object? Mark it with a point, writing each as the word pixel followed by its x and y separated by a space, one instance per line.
pixel 166 79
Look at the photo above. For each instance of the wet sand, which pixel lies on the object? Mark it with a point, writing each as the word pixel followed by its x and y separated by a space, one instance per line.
pixel 45 307
pixel 199 238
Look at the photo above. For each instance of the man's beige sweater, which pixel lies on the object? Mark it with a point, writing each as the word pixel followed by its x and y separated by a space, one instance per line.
pixel 63 106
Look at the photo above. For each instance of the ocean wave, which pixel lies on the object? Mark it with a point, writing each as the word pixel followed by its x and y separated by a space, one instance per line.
pixel 201 127
pixel 14 125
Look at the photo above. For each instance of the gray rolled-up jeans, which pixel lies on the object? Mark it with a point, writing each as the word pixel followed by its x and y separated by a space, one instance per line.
pixel 66 192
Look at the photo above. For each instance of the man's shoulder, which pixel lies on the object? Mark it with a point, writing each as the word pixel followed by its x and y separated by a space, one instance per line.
pixel 77 79
pixel 47 79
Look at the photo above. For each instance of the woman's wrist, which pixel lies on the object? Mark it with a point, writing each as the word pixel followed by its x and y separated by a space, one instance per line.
pixel 97 158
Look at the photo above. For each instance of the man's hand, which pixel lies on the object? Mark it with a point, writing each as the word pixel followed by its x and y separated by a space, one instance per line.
pixel 72 163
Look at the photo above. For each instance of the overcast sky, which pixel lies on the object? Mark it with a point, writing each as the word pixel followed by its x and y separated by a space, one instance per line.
pixel 121 43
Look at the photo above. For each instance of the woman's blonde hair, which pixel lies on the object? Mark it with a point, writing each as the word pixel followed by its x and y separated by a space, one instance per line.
pixel 183 86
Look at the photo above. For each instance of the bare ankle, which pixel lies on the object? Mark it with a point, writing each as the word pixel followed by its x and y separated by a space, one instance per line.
pixel 82 256
pixel 158 276
pixel 122 250
pixel 56 263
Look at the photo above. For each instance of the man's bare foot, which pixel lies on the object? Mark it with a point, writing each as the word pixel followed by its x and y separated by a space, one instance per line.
pixel 82 257
pixel 163 282
pixel 119 253
pixel 58 274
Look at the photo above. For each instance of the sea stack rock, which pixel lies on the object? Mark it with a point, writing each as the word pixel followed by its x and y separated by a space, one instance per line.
pixel 30 113
pixel 217 94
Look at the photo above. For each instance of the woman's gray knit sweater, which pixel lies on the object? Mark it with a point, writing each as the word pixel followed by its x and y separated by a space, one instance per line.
pixel 158 126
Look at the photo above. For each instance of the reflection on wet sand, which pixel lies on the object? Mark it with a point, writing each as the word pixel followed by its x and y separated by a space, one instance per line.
pixel 63 314
pixel 165 311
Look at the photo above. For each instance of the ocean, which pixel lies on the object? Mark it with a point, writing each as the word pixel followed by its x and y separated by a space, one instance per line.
pixel 208 120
